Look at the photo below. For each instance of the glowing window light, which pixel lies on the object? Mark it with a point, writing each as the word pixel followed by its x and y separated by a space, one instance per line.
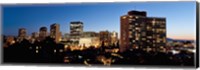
pixel 61 50
pixel 124 17
pixel 37 47
pixel 36 51
pixel 54 50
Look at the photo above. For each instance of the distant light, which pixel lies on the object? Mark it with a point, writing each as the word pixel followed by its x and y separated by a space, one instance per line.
pixel 86 63
pixel 36 51
pixel 66 61
pixel 192 50
pixel 61 50
pixel 124 17
pixel 88 59
pixel 54 50
pixel 30 47
pixel 175 52
pixel 80 57
pixel 37 47
pixel 113 60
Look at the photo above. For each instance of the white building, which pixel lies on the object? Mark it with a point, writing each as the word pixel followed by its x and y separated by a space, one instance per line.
pixel 89 41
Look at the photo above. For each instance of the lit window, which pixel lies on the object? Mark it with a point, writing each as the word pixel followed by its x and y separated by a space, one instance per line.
pixel 144 39
pixel 161 47
pixel 54 50
pixel 158 41
pixel 136 17
pixel 143 33
pixel 136 23
pixel 61 50
pixel 137 38
pixel 137 28
pixel 36 51
pixel 149 37
pixel 130 32
pixel 130 36
pixel 154 41
pixel 37 47
pixel 124 17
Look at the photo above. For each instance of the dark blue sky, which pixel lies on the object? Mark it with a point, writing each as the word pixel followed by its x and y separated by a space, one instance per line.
pixel 181 22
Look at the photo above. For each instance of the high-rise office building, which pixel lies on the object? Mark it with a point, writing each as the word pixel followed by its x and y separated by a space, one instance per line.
pixel 55 32
pixel 21 34
pixel 139 31
pixel 43 33
pixel 156 33
pixel 105 38
pixel 76 29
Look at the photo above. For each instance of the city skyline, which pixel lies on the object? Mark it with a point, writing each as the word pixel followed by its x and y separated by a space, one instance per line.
pixel 92 37
pixel 100 17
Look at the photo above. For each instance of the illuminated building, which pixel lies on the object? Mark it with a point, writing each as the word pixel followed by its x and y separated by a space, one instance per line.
pixel 105 37
pixel 89 34
pixel 89 38
pixel 21 34
pixel 43 33
pixel 76 29
pixel 156 33
pixel 139 31
pixel 89 41
pixel 34 37
pixel 114 37
pixel 10 40
pixel 66 37
pixel 55 32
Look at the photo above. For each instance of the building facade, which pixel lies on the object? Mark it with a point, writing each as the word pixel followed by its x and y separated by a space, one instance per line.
pixel 55 32
pixel 114 38
pixel 43 33
pixel 76 29
pixel 21 34
pixel 89 38
pixel 105 38
pixel 140 32
pixel 35 35
pixel 89 41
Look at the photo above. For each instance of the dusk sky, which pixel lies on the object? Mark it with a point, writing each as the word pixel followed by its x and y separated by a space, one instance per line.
pixel 180 16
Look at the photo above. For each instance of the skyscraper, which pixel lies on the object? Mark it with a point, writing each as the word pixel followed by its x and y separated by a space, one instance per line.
pixel 76 29
pixel 21 34
pixel 43 33
pixel 139 31
pixel 156 33
pixel 55 32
